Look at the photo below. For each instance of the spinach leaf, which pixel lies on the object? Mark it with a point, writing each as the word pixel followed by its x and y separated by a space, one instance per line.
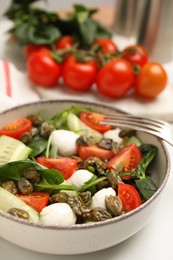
pixel 52 188
pixel 140 171
pixel 38 145
pixel 146 187
pixel 13 171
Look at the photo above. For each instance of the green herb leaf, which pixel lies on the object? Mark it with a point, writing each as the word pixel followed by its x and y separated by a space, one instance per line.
pixel 146 187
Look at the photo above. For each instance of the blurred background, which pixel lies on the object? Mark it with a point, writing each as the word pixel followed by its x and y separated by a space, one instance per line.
pixel 58 5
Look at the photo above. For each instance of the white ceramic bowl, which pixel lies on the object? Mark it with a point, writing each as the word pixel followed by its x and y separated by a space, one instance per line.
pixel 78 239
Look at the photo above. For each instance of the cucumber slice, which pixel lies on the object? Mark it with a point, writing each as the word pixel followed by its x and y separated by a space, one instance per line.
pixel 8 201
pixel 77 126
pixel 12 150
pixel 134 140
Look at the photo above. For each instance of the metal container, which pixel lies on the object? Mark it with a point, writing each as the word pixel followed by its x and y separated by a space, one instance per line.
pixel 151 24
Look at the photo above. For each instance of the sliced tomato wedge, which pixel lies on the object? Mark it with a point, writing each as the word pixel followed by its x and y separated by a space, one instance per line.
pixel 66 166
pixel 36 200
pixel 94 151
pixel 129 196
pixel 130 156
pixel 16 128
pixel 93 119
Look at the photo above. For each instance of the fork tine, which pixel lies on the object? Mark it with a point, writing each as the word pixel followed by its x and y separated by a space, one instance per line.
pixel 128 117
pixel 156 127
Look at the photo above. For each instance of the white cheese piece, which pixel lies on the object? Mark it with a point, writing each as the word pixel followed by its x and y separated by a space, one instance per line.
pixel 98 199
pixel 79 177
pixel 113 134
pixel 58 214
pixel 65 142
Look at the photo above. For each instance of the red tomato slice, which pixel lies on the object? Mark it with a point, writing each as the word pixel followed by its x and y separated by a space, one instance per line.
pixel 130 156
pixel 92 120
pixel 16 128
pixel 67 166
pixel 129 196
pixel 94 151
pixel 36 200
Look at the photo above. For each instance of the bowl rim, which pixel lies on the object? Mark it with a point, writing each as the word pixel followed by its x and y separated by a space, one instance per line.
pixel 93 224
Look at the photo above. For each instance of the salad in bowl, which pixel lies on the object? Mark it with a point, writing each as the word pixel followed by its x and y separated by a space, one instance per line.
pixel 61 169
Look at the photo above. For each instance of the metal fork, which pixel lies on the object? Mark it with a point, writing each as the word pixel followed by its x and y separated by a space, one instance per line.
pixel 156 127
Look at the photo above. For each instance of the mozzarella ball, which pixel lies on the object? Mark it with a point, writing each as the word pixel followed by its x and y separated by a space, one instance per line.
pixel 79 177
pixel 98 199
pixel 58 214
pixel 113 134
pixel 65 142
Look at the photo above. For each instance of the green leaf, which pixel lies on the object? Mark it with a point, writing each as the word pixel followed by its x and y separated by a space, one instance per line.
pixel 149 155
pixel 51 176
pixel 146 187
pixel 38 145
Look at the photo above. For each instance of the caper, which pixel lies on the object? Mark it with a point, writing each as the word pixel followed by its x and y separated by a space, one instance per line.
pixel 114 205
pixel 35 119
pixel 26 138
pixel 114 178
pixel 25 186
pixel 60 197
pixel 105 143
pixel 84 140
pixel 46 129
pixel 18 213
pixel 10 186
pixel 31 174
pixel 100 214
pixel 34 131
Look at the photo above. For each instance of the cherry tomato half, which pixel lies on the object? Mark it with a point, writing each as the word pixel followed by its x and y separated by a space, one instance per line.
pixel 66 166
pixel 16 128
pixel 115 78
pixel 107 45
pixel 135 54
pixel 151 80
pixel 94 151
pixel 79 75
pixel 64 43
pixel 129 196
pixel 30 49
pixel 130 156
pixel 93 119
pixel 42 69
pixel 36 200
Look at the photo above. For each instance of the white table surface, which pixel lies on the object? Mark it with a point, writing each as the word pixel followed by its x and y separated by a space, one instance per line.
pixel 153 242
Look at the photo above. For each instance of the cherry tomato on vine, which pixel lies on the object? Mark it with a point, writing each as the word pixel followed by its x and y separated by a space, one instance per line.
pixel 129 196
pixel 16 128
pixel 30 49
pixel 107 45
pixel 64 43
pixel 129 157
pixel 151 80
pixel 93 119
pixel 115 78
pixel 79 75
pixel 136 54
pixel 42 69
